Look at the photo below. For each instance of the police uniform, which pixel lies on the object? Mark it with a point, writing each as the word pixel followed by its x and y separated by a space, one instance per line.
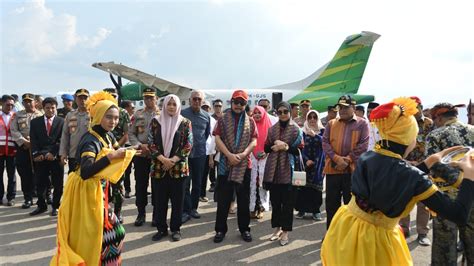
pixel 75 126
pixel 20 130
pixel 138 134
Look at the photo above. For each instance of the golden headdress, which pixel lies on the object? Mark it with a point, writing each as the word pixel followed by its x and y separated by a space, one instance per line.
pixel 395 120
pixel 98 104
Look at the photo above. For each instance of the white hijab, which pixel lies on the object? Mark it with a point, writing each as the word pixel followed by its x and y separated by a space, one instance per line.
pixel 309 130
pixel 169 124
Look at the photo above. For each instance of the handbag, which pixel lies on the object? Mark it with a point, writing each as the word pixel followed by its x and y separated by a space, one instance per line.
pixel 299 177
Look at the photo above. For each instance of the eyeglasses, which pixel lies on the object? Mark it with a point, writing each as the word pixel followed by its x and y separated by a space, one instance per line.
pixel 239 102
pixel 282 112
pixel 197 99
pixel 312 117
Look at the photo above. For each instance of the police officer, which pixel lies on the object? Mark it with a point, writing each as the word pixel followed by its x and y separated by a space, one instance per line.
pixel 138 135
pixel 68 99
pixel 76 124
pixel 20 130
pixel 121 135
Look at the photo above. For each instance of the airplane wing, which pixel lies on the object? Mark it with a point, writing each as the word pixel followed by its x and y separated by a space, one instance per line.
pixel 138 76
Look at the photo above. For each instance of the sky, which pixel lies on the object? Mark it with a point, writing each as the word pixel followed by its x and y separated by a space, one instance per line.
pixel 426 48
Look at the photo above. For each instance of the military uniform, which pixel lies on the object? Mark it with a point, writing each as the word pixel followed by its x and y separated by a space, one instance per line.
pixel 20 130
pixel 138 134
pixel 117 189
pixel 444 251
pixel 75 126
pixel 62 112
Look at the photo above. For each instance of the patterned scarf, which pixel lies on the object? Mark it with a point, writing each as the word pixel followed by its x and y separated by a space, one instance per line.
pixel 279 165
pixel 236 143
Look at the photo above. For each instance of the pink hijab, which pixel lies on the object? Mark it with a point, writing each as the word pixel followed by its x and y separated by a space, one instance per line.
pixel 169 124
pixel 262 126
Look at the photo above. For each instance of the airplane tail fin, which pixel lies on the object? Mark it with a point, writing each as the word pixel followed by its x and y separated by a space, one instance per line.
pixel 343 74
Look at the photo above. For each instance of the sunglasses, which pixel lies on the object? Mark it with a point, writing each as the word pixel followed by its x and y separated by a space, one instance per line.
pixel 312 117
pixel 197 99
pixel 239 102
pixel 282 112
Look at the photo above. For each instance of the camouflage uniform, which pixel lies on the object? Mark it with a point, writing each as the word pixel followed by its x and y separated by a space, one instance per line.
pixel 62 112
pixel 417 155
pixel 444 251
pixel 117 189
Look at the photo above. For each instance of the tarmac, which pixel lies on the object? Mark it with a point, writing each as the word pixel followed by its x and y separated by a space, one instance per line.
pixel 30 240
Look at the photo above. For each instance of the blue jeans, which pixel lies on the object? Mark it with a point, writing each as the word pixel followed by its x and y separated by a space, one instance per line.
pixel 196 171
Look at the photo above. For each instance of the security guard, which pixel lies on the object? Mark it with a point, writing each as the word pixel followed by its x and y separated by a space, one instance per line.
pixel 121 135
pixel 75 126
pixel 138 135
pixel 20 130
pixel 67 102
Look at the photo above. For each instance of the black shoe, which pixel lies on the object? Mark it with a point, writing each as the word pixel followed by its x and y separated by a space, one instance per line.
pixel 219 237
pixel 176 236
pixel 127 194
pixel 158 236
pixel 38 211
pixel 212 189
pixel 460 246
pixel 153 223
pixel 185 217
pixel 54 212
pixel 195 214
pixel 11 203
pixel 140 220
pixel 27 204
pixel 246 236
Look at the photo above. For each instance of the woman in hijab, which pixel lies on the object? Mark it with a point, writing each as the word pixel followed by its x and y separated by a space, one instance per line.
pixel 310 197
pixel 258 196
pixel 385 188
pixel 282 145
pixel 88 233
pixel 170 142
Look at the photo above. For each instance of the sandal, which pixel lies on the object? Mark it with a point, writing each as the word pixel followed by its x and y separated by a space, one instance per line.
pixel 275 236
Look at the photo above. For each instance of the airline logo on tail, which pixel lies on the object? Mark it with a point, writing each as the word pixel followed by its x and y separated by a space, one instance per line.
pixel 342 75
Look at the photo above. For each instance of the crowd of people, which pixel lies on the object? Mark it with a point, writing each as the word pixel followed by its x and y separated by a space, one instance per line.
pixel 374 169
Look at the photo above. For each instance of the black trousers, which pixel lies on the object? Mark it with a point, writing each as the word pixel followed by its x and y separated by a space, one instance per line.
pixel 309 199
pixel 208 172
pixel 168 188
pixel 142 177
pixel 44 170
pixel 226 192
pixel 126 178
pixel 25 170
pixel 282 197
pixel 9 163
pixel 337 187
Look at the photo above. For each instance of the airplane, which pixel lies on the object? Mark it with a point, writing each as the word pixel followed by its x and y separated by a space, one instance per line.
pixel 342 75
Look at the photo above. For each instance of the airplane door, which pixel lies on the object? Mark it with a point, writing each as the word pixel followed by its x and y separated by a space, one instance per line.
pixel 277 97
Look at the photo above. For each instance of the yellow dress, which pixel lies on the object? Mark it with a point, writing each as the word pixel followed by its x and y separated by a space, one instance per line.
pixel 356 237
pixel 81 214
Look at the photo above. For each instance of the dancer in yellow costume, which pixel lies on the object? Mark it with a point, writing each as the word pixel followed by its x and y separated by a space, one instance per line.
pixel 87 232
pixel 385 188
